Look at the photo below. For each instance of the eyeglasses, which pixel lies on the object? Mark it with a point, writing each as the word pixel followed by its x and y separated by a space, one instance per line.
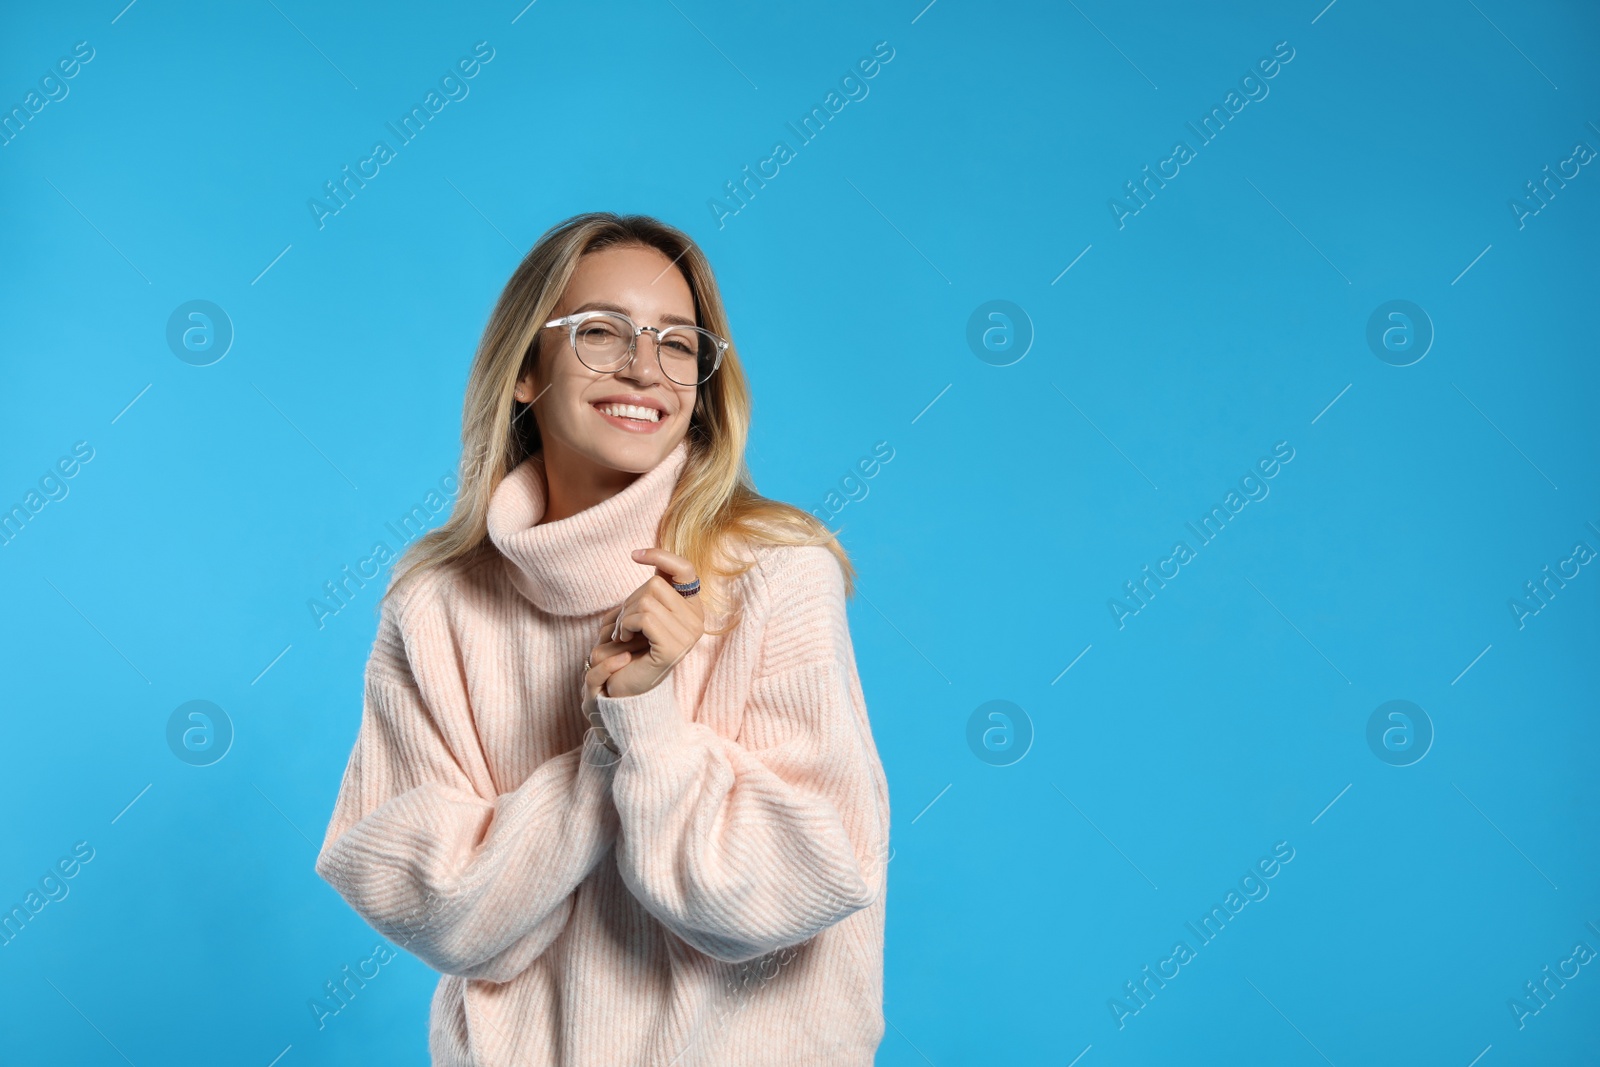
pixel 606 341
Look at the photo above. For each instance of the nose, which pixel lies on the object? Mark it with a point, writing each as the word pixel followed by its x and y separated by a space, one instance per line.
pixel 645 365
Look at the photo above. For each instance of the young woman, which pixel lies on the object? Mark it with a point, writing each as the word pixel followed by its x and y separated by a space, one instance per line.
pixel 614 777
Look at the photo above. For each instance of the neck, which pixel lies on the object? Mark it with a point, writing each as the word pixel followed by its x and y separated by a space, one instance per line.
pixel 577 483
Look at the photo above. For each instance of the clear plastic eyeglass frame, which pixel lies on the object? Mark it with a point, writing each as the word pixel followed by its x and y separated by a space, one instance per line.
pixel 572 322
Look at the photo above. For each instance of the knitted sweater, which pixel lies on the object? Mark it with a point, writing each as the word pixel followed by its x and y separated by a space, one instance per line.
pixel 713 894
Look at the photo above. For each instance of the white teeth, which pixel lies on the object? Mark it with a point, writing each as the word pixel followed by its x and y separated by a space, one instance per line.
pixel 631 411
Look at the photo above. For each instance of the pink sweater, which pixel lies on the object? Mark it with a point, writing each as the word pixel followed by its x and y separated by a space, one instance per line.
pixel 712 895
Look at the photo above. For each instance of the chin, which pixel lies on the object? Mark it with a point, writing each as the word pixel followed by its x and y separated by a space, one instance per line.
pixel 637 456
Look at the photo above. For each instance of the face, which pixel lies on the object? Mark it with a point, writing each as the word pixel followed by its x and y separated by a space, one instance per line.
pixel 571 402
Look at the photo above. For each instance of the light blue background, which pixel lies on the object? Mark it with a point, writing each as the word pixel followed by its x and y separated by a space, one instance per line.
pixel 1229 314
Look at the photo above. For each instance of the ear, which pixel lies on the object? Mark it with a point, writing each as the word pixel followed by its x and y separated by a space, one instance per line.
pixel 524 391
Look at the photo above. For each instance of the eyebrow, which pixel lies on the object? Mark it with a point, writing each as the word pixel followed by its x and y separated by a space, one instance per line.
pixel 603 305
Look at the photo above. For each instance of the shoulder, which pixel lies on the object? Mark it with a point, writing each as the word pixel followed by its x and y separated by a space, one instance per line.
pixel 425 609
pixel 798 594
pixel 785 574
pixel 411 598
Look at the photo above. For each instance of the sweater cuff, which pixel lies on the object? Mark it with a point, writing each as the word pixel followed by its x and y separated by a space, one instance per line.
pixel 647 721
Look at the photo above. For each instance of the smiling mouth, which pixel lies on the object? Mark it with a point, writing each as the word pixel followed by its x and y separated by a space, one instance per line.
pixel 631 412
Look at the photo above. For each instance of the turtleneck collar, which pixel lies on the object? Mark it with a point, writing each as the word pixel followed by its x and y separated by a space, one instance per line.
pixel 582 564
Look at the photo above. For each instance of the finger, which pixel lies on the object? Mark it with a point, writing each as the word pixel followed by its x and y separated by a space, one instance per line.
pixel 679 568
pixel 608 621
pixel 658 626
pixel 602 669
pixel 661 590
pixel 615 629
pixel 655 587
pixel 659 595
pixel 686 616
pixel 607 649
pixel 625 630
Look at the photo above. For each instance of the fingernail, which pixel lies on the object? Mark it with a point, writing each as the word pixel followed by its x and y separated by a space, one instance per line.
pixel 638 552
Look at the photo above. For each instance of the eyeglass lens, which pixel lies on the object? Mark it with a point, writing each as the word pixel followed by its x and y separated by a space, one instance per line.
pixel 688 354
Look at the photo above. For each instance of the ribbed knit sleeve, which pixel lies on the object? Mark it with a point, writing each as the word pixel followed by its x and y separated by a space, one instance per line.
pixel 745 847
pixel 473 883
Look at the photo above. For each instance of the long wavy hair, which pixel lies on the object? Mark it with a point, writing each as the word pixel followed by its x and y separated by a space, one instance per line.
pixel 714 505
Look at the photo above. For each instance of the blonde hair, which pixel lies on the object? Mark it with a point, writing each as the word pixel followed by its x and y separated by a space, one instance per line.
pixel 715 503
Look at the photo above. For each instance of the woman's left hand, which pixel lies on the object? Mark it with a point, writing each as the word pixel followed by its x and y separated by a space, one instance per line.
pixel 657 624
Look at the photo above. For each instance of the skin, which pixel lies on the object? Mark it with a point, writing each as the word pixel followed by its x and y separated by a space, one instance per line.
pixel 588 460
